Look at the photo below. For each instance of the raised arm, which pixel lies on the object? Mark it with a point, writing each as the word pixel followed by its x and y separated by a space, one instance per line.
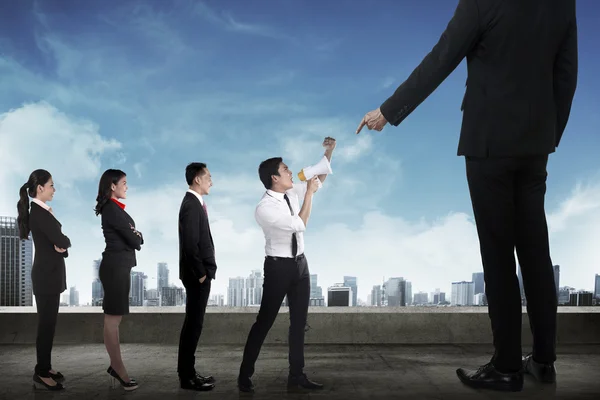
pixel 454 44
pixel 329 143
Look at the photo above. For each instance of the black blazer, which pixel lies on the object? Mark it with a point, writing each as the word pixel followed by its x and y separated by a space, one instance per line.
pixel 48 273
pixel 196 247
pixel 121 241
pixel 522 75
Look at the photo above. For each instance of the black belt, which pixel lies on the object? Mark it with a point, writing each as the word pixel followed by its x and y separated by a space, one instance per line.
pixel 297 258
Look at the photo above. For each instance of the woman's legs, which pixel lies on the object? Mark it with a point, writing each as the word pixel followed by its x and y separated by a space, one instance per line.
pixel 113 346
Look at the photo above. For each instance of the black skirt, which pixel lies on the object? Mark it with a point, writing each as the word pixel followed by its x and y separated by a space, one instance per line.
pixel 115 275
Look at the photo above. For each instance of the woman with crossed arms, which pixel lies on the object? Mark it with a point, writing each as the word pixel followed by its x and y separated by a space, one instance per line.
pixel 122 240
pixel 48 274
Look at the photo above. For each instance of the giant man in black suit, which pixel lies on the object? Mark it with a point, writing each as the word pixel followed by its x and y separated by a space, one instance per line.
pixel 522 75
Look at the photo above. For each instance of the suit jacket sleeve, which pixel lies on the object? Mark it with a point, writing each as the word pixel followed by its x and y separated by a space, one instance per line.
pixel 121 226
pixel 191 240
pixel 565 77
pixel 455 43
pixel 53 232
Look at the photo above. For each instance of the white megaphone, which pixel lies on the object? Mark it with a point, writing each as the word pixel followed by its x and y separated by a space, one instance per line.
pixel 323 167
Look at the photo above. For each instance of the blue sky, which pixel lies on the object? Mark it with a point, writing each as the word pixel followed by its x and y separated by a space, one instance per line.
pixel 148 86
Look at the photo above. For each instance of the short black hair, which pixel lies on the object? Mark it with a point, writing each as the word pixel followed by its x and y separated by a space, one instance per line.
pixel 193 170
pixel 267 169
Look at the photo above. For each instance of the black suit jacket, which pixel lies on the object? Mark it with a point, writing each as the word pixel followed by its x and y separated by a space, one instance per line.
pixel 121 241
pixel 522 75
pixel 48 273
pixel 196 247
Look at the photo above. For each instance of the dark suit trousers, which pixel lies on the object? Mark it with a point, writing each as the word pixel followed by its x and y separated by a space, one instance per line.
pixel 195 306
pixel 508 203
pixel 47 309
pixel 282 276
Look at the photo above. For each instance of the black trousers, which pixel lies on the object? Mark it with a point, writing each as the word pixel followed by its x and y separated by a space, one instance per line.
pixel 47 310
pixel 508 203
pixel 195 306
pixel 282 276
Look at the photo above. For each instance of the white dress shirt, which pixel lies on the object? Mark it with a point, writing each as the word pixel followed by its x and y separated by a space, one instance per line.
pixel 197 195
pixel 43 205
pixel 278 224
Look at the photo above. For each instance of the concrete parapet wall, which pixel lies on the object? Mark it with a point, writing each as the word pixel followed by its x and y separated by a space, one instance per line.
pixel 328 325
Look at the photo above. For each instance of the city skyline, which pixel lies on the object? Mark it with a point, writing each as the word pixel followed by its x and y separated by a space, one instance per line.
pixel 149 87
pixel 246 291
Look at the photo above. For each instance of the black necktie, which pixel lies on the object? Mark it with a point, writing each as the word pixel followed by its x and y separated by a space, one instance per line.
pixel 294 241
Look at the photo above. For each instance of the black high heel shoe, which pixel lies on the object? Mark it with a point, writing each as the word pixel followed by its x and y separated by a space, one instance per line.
pixel 39 384
pixel 58 377
pixel 131 385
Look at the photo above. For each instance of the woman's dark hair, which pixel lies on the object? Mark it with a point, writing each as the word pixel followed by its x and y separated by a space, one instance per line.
pixel 267 169
pixel 29 189
pixel 109 177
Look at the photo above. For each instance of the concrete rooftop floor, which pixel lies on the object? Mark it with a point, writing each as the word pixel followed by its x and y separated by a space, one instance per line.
pixel 348 372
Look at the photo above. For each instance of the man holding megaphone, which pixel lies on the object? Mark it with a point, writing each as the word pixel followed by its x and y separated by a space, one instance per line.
pixel 285 269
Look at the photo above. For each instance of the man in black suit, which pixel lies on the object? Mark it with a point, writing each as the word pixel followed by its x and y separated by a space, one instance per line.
pixel 522 75
pixel 197 267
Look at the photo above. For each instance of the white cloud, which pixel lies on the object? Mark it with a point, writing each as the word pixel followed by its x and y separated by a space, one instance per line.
pixel 37 135
pixel 372 245
pixel 429 253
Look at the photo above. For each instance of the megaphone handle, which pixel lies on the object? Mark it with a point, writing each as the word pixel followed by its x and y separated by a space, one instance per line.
pixel 319 183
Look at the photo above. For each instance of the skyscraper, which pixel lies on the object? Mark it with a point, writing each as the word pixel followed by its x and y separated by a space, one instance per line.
pixel 396 292
pixel 316 292
pixel 421 298
pixel 597 287
pixel 339 295
pixel 162 276
pixel 376 296
pixel 236 295
pixel 253 288
pixel 16 260
pixel 556 277
pixel 74 297
pixel 137 291
pixel 350 281
pixel 479 282
pixel 462 293
pixel 97 289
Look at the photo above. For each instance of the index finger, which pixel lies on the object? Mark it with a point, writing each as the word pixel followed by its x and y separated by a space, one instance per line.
pixel 363 122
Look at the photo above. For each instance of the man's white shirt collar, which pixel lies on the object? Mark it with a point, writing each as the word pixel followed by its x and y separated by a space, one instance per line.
pixel 197 195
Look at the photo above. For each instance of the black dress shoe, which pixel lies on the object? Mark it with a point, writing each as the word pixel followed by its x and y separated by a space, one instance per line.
pixel 245 384
pixel 206 379
pixel 196 384
pixel 302 382
pixel 488 377
pixel 543 372
pixel 39 384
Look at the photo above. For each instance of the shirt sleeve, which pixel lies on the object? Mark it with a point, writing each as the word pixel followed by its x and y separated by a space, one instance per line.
pixel 299 189
pixel 270 216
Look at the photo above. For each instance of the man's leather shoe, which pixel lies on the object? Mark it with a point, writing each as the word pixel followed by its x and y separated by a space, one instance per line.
pixel 196 384
pixel 543 372
pixel 302 382
pixel 245 384
pixel 206 379
pixel 488 377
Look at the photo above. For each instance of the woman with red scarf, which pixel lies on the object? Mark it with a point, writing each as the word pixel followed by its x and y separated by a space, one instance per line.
pixel 122 240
